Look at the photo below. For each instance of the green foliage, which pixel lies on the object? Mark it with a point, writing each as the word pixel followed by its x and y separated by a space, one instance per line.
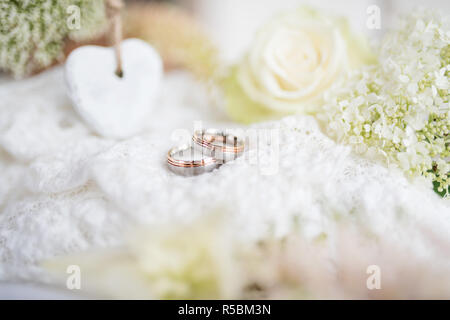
pixel 439 190
pixel 32 32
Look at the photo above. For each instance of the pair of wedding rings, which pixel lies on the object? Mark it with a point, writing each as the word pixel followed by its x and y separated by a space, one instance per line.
pixel 211 148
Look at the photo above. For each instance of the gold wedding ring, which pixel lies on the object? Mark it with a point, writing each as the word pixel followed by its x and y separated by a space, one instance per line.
pixel 189 167
pixel 215 148
pixel 218 144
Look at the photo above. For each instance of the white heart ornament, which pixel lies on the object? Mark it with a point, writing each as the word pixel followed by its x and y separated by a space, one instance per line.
pixel 114 107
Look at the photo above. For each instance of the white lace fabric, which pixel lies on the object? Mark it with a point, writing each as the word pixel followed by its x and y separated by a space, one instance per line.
pixel 64 189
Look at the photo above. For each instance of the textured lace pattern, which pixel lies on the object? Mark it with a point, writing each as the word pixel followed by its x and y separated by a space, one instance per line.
pixel 64 189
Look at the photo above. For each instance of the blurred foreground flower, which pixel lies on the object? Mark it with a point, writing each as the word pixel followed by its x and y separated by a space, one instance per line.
pixel 178 37
pixel 293 60
pixel 204 261
pixel 33 33
pixel 298 269
pixel 174 262
pixel 399 109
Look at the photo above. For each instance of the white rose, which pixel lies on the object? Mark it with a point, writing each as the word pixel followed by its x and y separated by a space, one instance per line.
pixel 295 58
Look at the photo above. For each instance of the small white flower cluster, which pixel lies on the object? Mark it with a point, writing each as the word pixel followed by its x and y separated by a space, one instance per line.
pixel 399 108
pixel 32 32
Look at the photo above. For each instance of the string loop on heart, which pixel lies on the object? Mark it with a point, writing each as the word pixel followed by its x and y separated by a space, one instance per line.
pixel 113 12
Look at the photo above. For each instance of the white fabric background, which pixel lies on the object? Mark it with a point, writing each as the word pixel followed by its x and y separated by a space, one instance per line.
pixel 64 190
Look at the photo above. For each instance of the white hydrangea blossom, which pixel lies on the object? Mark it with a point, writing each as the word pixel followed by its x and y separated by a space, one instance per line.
pixel 399 108
pixel 32 31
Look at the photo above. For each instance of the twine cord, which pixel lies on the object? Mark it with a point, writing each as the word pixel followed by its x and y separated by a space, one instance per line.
pixel 113 12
